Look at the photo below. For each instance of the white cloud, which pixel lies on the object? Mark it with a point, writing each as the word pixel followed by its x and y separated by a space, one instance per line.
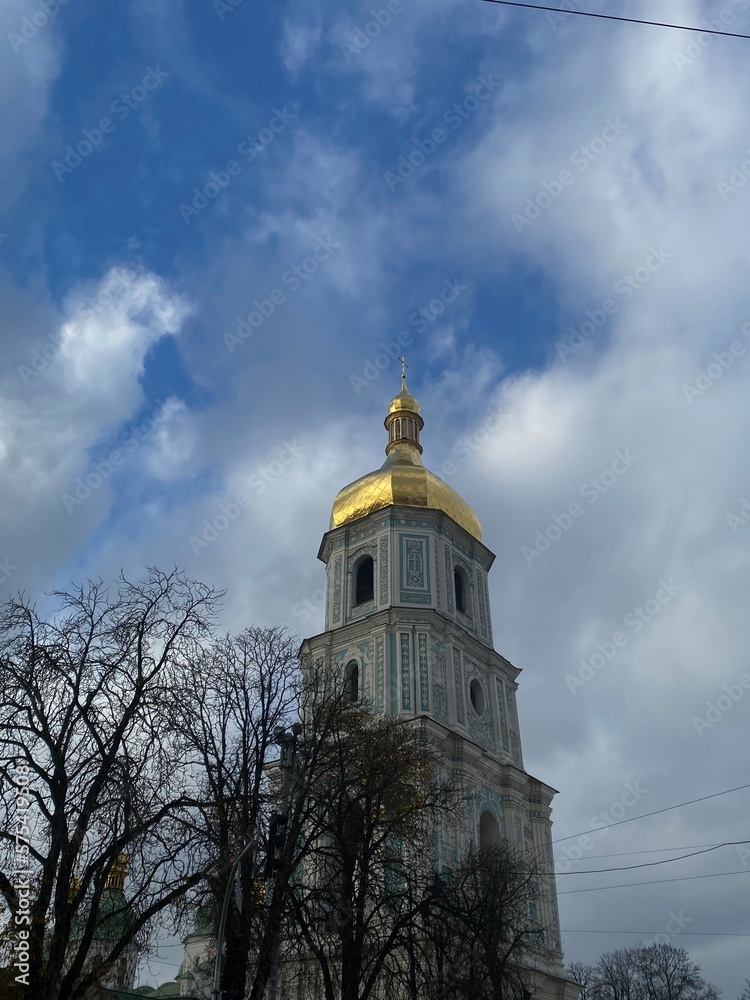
pixel 31 61
pixel 172 445
pixel 108 334
pixel 70 393
pixel 298 44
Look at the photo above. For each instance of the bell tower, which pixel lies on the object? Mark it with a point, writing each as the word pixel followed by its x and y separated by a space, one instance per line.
pixel 408 631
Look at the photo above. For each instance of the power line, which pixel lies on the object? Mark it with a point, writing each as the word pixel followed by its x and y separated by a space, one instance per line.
pixel 651 864
pixel 615 17
pixel 654 881
pixel 656 812
pixel 627 854
pixel 682 933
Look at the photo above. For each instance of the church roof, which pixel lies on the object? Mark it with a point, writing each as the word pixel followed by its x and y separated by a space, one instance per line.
pixel 402 479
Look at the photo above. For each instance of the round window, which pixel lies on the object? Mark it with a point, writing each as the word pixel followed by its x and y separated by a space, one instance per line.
pixel 477 697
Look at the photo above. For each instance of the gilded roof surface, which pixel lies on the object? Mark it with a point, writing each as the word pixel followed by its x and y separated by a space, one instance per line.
pixel 404 480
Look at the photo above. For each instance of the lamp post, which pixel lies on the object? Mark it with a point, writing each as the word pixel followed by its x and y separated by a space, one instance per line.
pixel 216 991
pixel 287 740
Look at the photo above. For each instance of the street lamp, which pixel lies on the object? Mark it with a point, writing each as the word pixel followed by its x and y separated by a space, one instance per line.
pixel 287 740
pixel 216 991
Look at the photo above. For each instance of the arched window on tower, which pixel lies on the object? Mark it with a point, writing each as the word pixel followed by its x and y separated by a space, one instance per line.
pixel 459 586
pixel 351 685
pixel 489 830
pixel 364 584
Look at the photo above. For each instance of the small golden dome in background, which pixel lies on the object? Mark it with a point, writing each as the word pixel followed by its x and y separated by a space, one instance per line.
pixel 402 479
pixel 116 874
pixel 404 401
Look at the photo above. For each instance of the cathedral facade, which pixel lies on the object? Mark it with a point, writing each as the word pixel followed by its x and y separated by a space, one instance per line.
pixel 408 630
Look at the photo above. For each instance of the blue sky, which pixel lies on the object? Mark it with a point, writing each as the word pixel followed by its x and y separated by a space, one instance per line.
pixel 195 304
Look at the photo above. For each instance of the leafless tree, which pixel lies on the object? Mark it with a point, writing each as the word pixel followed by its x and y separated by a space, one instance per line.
pixel 82 715
pixel 667 973
pixel 585 976
pixel 370 794
pixel 616 977
pixel 651 972
pixel 481 927
pixel 232 699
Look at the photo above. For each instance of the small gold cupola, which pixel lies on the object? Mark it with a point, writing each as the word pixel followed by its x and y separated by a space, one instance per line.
pixel 116 875
pixel 403 422
pixel 403 479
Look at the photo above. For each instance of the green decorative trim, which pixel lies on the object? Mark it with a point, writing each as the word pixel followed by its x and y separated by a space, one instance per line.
pixel 459 684
pixel 379 672
pixel 383 561
pixel 424 678
pixel 515 742
pixel 448 577
pixel 485 588
pixel 405 671
pixel 415 598
pixel 439 682
pixel 366 654
pixel 360 610
pixel 499 687
pixel 414 562
pixel 480 602
pixel 394 673
pixel 481 727
pixel 337 565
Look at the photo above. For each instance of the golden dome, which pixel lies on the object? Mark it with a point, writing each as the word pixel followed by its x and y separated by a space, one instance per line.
pixel 116 875
pixel 404 401
pixel 402 479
